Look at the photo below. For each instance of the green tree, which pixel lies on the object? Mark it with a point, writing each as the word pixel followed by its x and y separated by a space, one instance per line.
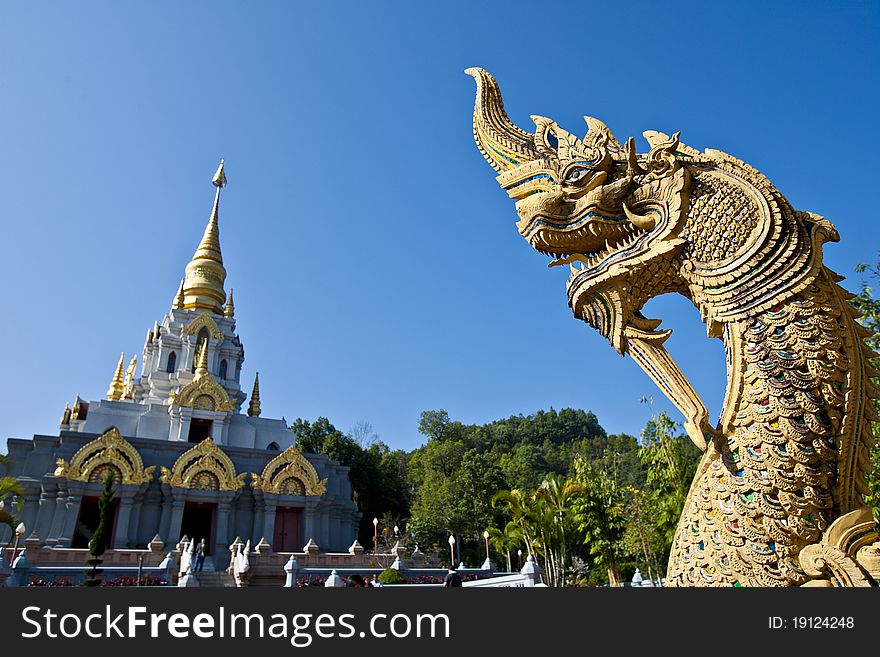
pixel 868 304
pixel 600 515
pixel 542 520
pixel 518 503
pixel 316 437
pixel 506 540
pixel 670 460
pixel 557 492
pixel 642 538
pixel 453 491
pixel 524 466
pixel 377 473
pixel 390 576
pixel 98 544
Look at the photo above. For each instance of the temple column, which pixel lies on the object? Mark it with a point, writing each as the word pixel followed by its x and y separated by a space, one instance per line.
pixel 309 520
pixel 257 531
pixel 321 529
pixel 71 513
pixel 134 528
pixel 268 529
pixel 222 536
pixel 335 531
pixel 221 548
pixel 165 513
pixel 123 518
pixel 30 509
pixel 57 526
pixel 176 517
pixel 180 420
pixel 220 428
pixel 47 508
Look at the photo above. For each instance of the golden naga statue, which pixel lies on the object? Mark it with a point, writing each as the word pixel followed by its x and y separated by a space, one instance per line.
pixel 778 496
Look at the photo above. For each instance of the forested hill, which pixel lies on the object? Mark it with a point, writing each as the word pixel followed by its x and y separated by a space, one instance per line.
pixel 448 483
pixel 527 448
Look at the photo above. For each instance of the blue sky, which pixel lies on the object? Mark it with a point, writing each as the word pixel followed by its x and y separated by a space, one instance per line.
pixel 376 267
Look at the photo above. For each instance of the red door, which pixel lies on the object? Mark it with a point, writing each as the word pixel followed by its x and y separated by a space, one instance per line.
pixel 287 530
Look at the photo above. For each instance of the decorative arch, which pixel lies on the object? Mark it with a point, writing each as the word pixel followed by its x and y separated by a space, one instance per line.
pixel 108 453
pixel 204 321
pixel 289 473
pixel 204 467
pixel 203 393
pixel 171 367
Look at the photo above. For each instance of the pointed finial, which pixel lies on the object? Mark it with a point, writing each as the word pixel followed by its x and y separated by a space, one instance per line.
pixel 128 382
pixel 202 361
pixel 254 406
pixel 229 308
pixel 65 418
pixel 205 274
pixel 114 393
pixel 77 408
pixel 219 179
pixel 178 299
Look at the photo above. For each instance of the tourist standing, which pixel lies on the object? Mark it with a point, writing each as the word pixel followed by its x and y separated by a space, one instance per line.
pixel 201 548
pixel 452 578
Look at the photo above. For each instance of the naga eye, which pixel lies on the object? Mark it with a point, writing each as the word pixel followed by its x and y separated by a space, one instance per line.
pixel 575 174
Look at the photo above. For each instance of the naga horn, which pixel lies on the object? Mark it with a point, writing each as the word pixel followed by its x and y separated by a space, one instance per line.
pixel 504 145
pixel 643 221
pixel 599 136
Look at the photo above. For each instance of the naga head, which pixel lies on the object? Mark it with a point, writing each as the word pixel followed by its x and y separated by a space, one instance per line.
pixel 587 202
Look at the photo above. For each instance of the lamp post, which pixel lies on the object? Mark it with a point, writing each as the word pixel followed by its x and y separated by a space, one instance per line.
pixel 21 529
pixel 486 538
pixel 451 552
pixel 519 557
pixel 375 536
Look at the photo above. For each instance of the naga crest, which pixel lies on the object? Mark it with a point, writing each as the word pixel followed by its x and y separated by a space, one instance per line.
pixel 631 226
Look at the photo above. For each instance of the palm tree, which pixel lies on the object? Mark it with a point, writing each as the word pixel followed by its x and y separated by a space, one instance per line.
pixel 555 493
pixel 519 503
pixel 506 540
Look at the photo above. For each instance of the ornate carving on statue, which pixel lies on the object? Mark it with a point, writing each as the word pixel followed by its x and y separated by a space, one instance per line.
pixel 841 558
pixel 204 467
pixel 109 453
pixel 787 462
pixel 204 321
pixel 239 562
pixel 289 473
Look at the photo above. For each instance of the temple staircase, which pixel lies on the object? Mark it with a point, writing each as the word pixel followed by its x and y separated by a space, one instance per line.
pixel 212 578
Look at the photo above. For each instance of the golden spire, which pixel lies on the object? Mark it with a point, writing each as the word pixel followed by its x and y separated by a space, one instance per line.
pixel 254 406
pixel 116 386
pixel 202 361
pixel 205 274
pixel 128 382
pixel 178 299
pixel 65 419
pixel 229 308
